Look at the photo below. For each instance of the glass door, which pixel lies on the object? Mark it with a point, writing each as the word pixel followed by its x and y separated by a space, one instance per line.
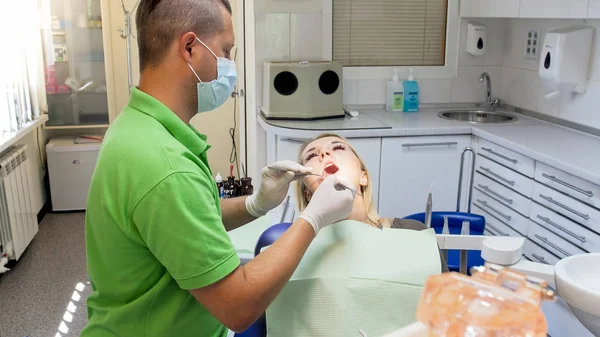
pixel 74 63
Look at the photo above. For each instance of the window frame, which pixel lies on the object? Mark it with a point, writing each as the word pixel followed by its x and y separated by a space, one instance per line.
pixel 447 71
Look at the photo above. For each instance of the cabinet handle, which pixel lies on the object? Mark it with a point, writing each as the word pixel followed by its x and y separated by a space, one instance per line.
pixel 514 161
pixel 429 144
pixel 563 206
pixel 566 184
pixel 292 140
pixel 493 209
pixel 496 194
pixel 485 169
pixel 76 162
pixel 496 230
pixel 561 228
pixel 546 241
pixel 539 258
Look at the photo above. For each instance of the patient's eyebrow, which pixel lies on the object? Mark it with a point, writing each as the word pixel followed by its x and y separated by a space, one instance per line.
pixel 337 142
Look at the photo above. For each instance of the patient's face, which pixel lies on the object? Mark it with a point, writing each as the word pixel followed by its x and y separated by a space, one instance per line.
pixel 332 156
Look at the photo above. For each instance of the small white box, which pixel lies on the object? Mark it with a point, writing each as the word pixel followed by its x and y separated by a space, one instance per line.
pixel 302 90
pixel 70 167
pixel 476 39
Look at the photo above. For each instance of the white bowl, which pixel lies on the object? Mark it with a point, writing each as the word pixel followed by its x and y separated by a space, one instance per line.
pixel 578 283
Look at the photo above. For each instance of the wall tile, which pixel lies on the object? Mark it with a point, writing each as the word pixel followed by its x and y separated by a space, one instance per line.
pixel 549 107
pixel 436 91
pixel 595 59
pixel 371 92
pixel 306 36
pixel 496 31
pixel 272 38
pixel 582 108
pixel 594 9
pixel 350 91
pixel 288 6
pixel 464 58
pixel 514 43
pixel 467 88
pixel 519 87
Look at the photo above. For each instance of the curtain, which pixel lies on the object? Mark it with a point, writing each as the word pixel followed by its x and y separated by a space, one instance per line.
pixel 22 87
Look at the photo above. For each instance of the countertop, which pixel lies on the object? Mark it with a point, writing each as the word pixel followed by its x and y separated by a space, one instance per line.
pixel 566 149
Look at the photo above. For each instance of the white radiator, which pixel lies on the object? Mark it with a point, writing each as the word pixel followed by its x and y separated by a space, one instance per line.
pixel 18 220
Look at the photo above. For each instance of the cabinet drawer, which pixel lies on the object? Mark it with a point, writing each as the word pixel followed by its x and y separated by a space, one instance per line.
pixel 567 206
pixel 578 188
pixel 503 194
pixel 565 228
pixel 504 175
pixel 552 242
pixel 491 208
pixel 506 157
pixel 498 228
pixel 536 253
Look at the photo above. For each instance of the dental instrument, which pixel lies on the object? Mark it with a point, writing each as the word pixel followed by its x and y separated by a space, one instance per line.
pixel 309 174
pixel 429 207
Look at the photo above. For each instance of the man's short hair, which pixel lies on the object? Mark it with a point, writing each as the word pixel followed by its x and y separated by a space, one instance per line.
pixel 159 22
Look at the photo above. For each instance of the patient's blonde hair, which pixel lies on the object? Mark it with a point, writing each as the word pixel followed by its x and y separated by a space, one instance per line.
pixel 302 190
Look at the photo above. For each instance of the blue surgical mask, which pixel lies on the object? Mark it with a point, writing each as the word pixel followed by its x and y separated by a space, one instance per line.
pixel 213 94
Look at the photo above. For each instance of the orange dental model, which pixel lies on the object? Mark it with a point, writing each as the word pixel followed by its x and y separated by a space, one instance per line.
pixel 494 302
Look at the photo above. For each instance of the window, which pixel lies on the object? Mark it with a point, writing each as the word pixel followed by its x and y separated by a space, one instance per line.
pixel 369 37
pixel 21 64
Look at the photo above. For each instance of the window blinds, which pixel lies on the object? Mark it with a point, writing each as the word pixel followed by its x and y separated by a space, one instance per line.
pixel 389 32
pixel 21 65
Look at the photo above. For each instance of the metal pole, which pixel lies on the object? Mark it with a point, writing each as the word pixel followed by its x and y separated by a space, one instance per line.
pixel 126 34
pixel 128 44
pixel 460 179
pixel 463 262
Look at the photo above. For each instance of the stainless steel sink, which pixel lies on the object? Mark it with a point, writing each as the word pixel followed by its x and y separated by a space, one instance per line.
pixel 477 116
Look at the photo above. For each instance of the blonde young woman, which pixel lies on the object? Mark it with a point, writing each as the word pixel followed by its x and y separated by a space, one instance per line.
pixel 330 154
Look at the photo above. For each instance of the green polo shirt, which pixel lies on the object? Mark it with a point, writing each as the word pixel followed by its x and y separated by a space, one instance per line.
pixel 153 228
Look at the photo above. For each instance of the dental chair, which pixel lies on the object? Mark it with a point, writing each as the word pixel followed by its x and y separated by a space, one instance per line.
pixel 267 238
pixel 455 221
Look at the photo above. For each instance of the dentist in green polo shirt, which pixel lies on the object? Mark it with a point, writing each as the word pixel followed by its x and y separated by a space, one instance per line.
pixel 159 258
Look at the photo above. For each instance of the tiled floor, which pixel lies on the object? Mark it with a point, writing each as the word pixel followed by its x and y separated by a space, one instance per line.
pixel 44 294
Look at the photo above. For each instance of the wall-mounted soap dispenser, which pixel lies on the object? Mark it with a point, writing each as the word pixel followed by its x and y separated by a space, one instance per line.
pixel 565 60
pixel 476 39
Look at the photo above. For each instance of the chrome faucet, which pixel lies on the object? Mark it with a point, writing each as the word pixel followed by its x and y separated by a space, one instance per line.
pixel 486 77
pixel 492 102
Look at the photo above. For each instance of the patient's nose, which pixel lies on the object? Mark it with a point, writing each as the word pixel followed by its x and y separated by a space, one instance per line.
pixel 325 153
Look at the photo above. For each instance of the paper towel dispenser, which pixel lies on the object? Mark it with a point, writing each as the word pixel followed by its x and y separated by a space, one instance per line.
pixel 565 60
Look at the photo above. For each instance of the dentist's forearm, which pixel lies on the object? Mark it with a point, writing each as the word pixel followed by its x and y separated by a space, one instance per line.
pixel 234 212
pixel 240 298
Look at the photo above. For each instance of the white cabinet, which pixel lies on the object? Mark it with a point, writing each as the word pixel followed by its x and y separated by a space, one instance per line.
pixel 490 8
pixel 557 9
pixel 411 164
pixel 573 9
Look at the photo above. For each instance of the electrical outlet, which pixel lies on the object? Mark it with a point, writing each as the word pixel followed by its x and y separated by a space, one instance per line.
pixel 532 45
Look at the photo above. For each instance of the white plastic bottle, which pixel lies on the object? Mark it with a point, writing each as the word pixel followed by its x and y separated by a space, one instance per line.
pixel 395 94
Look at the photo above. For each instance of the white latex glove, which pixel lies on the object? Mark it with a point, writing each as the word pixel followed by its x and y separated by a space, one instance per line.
pixel 330 203
pixel 274 185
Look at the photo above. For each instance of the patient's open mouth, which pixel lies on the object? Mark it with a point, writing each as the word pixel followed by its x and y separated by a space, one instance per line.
pixel 330 169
